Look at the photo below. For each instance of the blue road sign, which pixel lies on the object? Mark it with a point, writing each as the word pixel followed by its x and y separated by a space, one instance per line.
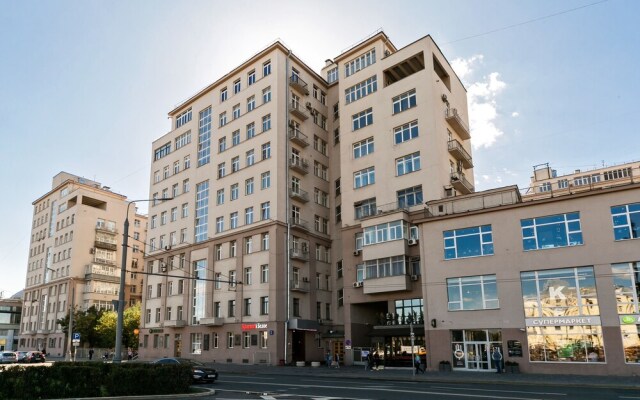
pixel 76 336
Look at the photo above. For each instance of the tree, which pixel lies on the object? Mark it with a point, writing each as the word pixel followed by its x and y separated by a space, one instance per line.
pixel 106 327
pixel 84 322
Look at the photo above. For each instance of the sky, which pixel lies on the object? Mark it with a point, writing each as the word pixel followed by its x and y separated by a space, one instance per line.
pixel 85 86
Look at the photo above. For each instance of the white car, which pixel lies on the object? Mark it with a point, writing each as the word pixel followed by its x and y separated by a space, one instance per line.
pixel 8 357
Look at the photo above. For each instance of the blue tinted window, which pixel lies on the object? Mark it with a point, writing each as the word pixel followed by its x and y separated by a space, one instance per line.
pixel 626 221
pixel 551 231
pixel 468 242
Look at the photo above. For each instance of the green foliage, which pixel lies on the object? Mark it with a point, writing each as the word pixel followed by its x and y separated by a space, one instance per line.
pixel 85 379
pixel 85 323
pixel 106 327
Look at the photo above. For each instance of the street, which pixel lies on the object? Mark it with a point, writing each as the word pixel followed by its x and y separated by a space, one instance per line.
pixel 242 386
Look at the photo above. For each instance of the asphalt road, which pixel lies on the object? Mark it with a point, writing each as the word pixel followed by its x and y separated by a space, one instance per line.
pixel 269 387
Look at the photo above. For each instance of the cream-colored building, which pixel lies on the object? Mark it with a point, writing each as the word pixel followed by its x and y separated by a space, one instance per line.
pixel 281 180
pixel 75 256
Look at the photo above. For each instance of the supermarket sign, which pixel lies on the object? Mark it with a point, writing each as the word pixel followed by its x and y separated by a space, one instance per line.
pixel 629 319
pixel 250 327
pixel 562 321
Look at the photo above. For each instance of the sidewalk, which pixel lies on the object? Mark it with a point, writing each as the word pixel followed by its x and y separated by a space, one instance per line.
pixel 406 374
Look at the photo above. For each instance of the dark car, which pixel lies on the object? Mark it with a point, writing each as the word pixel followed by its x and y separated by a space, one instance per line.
pixel 22 356
pixel 200 372
pixel 35 356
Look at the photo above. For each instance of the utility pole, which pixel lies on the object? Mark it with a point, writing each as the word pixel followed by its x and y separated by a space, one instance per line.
pixel 70 357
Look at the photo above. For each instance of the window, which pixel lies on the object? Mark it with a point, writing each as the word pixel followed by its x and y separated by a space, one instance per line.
pixel 174 214
pixel 551 231
pixel 162 151
pixel 388 266
pixel 410 197
pixel 202 211
pixel 221 170
pixel 248 187
pixel 219 224
pixel 230 340
pixel 360 63
pixel 265 180
pixel 266 150
pixel 617 174
pixel 251 103
pixel 174 190
pixel 407 164
pixel 183 118
pixel 235 164
pixel 406 132
pixel 185 210
pixel 248 275
pixel 626 221
pixel 338 213
pixel 222 144
pixel 364 177
pixel 163 218
pixel 266 68
pixel 361 89
pixel 321 171
pixel 320 145
pixel 234 191
pixel 337 186
pixel 247 313
pixel 266 123
pixel 386 232
pixel 296 307
pixel 362 119
pixel 224 95
pixel 404 102
pixel 204 136
pixel 251 77
pixel 248 215
pixel 626 281
pixel 251 130
pixel 321 197
pixel 250 158
pixel 183 140
pixel 187 162
pixel 233 220
pixel 264 242
pixel 265 211
pixel 321 224
pixel 236 87
pixel 185 186
pixel 235 112
pixel 264 305
pixel 266 95
pixel 332 75
pixel 223 119
pixel 365 208
pixel 363 147
pixel 468 242
pixel 472 293
pixel 198 291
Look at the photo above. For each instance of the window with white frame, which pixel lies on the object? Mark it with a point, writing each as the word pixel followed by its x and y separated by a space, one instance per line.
pixel 332 75
pixel 360 63
pixel 251 103
pixel 405 132
pixel 361 89
pixel 363 147
pixel 626 221
pixel 183 140
pixel 364 177
pixel 183 118
pixel 407 164
pixel 472 293
pixel 234 191
pixel 362 119
pixel 551 231
pixel 204 137
pixel 404 102
pixel 410 197
pixel 474 241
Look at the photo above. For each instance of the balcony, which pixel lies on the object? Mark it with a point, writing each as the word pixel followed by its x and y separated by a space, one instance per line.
pixel 104 261
pixel 299 254
pixel 106 244
pixel 460 183
pixel 106 229
pixel 299 194
pixel 299 223
pixel 179 323
pixel 298 84
pixel 212 321
pixel 396 283
pixel 298 111
pixel 299 164
pixel 456 122
pixel 459 153
pixel 297 137
pixel 300 285
pixel 94 272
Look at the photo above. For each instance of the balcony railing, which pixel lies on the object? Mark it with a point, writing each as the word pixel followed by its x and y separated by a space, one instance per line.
pixel 296 136
pixel 299 194
pixel 104 228
pixel 298 84
pixel 300 285
pixel 103 244
pixel 296 109
pixel 459 153
pixel 299 254
pixel 454 119
pixel 104 261
pixel 460 183
pixel 299 164
pixel 299 223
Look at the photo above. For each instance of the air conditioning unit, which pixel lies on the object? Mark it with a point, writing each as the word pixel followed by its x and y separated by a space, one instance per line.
pixel 413 242
pixel 356 253
pixel 414 277
pixel 92 250
pixel 308 104
pixel 357 284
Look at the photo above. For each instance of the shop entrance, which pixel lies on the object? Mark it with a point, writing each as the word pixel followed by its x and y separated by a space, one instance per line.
pixel 471 349
pixel 477 355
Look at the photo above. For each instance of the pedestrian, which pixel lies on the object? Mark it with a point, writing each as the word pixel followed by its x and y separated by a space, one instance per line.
pixel 90 354
pixel 328 359
pixel 418 363
pixel 129 354
pixel 369 364
pixel 496 356
pixel 337 360
pixel 376 360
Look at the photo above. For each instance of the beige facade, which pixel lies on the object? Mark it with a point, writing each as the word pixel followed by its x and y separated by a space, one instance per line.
pixel 291 276
pixel 74 258
pixel 551 282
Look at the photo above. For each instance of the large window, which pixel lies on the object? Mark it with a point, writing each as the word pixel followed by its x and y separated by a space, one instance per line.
pixel 405 132
pixel 332 75
pixel 202 211
pixel 626 282
pixel 362 119
pixel 468 242
pixel 363 147
pixel 183 118
pixel 551 231
pixel 386 232
pixel 364 177
pixel 404 101
pixel 407 164
pixel 626 221
pixel 409 197
pixel 361 89
pixel 388 266
pixel 365 208
pixel 360 63
pixel 199 290
pixel 204 136
pixel 472 293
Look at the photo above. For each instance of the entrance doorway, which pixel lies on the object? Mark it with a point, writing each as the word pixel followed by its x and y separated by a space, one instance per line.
pixel 477 355
pixel 297 346
pixel 472 348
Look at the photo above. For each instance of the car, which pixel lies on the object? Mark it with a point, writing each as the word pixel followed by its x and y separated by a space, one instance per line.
pixel 21 356
pixel 200 372
pixel 35 356
pixel 8 357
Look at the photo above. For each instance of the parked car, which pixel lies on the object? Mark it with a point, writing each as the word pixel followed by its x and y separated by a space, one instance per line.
pixel 21 356
pixel 8 357
pixel 35 356
pixel 200 372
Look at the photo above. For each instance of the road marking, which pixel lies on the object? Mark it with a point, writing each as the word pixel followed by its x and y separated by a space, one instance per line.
pixel 628 397
pixel 502 391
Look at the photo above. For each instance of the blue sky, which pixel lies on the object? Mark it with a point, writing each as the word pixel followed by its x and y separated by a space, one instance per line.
pixel 85 86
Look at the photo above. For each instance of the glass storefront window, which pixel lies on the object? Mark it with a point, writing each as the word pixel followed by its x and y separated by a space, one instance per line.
pixel 472 293
pixel 410 310
pixel 551 231
pixel 626 282
pixel 631 343
pixel 566 343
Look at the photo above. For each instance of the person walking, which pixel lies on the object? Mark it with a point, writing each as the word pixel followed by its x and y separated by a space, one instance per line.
pixel 90 354
pixel 376 360
pixel 369 363
pixel 418 363
pixel 328 359
pixel 496 356
pixel 337 360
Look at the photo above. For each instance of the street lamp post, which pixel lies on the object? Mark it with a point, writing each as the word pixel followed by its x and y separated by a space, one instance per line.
pixel 117 357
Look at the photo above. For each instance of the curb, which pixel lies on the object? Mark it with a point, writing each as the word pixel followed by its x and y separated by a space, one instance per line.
pixel 204 392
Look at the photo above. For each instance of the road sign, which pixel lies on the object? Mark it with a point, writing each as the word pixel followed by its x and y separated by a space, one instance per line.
pixel 76 335
pixel 75 342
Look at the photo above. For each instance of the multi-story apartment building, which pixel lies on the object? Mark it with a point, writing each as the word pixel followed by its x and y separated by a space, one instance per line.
pixel 551 282
pixel 10 312
pixel 289 229
pixel 74 257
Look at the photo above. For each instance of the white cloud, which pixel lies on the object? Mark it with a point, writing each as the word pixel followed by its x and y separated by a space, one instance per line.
pixel 515 114
pixel 482 96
